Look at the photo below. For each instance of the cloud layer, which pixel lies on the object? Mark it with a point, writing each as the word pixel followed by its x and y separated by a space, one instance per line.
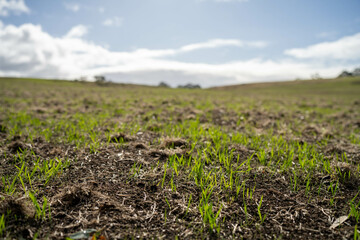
pixel 27 50
pixel 13 6
pixel 346 48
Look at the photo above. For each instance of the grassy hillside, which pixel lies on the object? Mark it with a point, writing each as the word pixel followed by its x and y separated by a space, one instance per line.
pixel 256 161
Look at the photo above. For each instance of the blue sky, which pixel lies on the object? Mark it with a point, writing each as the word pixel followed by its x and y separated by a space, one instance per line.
pixel 210 42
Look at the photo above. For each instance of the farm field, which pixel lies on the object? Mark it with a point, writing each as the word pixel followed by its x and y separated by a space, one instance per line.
pixel 116 161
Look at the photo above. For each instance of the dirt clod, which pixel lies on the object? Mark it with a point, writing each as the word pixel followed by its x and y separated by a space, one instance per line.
pixel 17 146
pixel 21 207
pixel 158 154
pixel 174 142
pixel 346 174
pixel 72 196
pixel 311 130
pixel 140 145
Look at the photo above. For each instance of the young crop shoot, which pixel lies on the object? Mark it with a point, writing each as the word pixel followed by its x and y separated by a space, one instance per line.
pixel 2 225
pixel 41 210
pixel 261 217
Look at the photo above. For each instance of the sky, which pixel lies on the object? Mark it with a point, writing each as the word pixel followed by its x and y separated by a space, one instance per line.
pixel 206 42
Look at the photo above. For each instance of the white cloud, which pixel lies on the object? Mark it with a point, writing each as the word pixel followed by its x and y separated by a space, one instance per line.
pixel 29 51
pixel 346 48
pixel 16 6
pixel 215 43
pixel 77 32
pixel 114 21
pixel 101 10
pixel 75 7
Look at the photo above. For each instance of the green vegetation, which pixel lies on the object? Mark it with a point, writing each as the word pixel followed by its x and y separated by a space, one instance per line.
pixel 272 160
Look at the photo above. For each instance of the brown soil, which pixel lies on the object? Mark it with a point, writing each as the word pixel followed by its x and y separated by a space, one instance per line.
pixel 118 190
pixel 97 191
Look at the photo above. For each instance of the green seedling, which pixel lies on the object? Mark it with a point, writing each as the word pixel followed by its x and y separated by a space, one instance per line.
pixel 262 156
pixel 261 217
pixel 294 182
pixel 308 186
pixel 40 210
pixel 209 217
pixel 2 224
pixel 173 187
pixel 356 233
pixel 188 206
pixel 245 211
pixel 333 189
pixel 354 210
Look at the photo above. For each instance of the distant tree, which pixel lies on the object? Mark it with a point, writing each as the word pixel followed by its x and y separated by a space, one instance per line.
pixel 345 74
pixel 190 86
pixel 164 85
pixel 100 80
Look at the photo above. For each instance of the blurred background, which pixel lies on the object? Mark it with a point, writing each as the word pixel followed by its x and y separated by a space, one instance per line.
pixel 205 42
